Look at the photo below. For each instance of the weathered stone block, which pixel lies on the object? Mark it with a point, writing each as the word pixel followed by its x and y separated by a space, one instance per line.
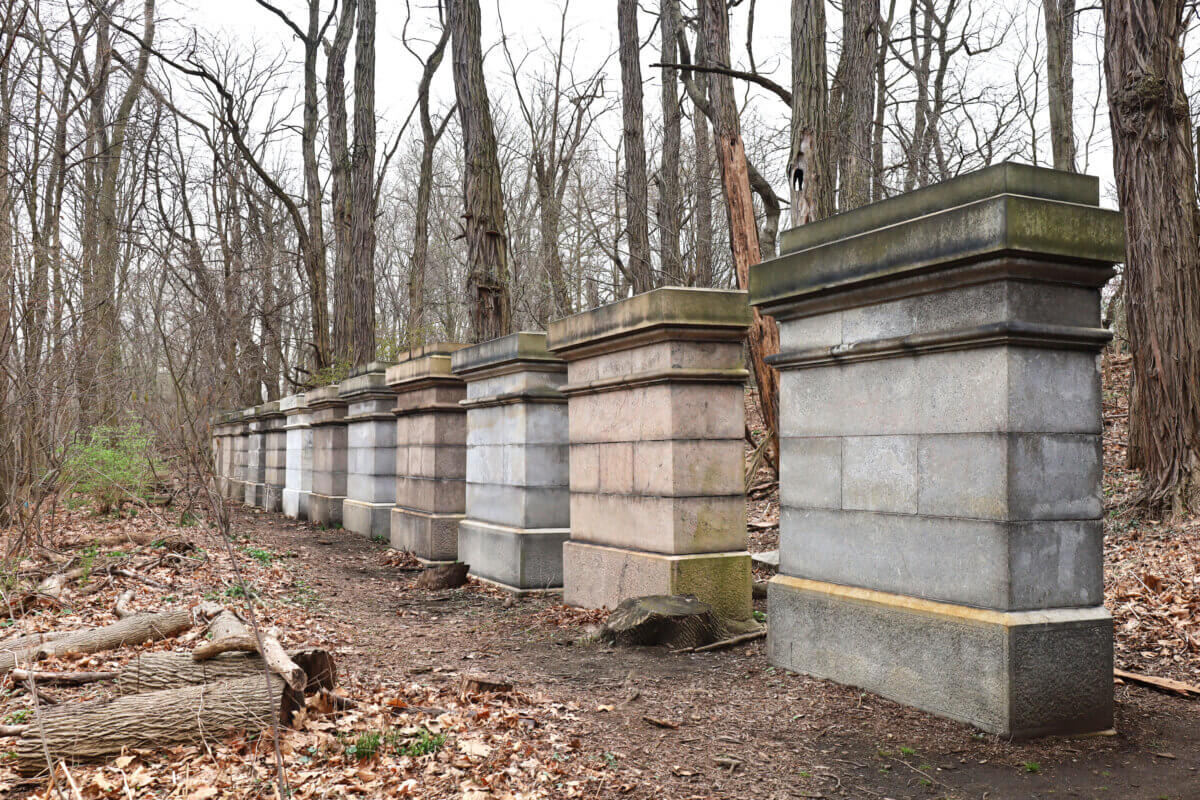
pixel 656 424
pixel 430 537
pixel 940 540
pixel 448 494
pixel 515 558
pixel 327 420
pixel 706 524
pixel 595 576
pixel 984 563
pixel 370 450
pixel 516 461
pixel 1018 674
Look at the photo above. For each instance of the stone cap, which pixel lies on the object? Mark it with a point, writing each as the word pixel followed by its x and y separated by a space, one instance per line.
pixel 1005 178
pixel 1039 239
pixel 524 347
pixel 666 307
pixel 372 366
pixel 430 361
pixel 431 349
pixel 324 397
pixel 372 381
pixel 270 409
pixel 293 403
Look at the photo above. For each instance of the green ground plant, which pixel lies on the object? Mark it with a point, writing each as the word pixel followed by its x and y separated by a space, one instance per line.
pixel 114 464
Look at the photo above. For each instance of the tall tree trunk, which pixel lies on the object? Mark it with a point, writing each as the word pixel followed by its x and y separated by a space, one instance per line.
pixel 668 173
pixel 483 195
pixel 811 167
pixel 1060 39
pixel 362 219
pixel 1154 163
pixel 881 93
pixel 104 336
pixel 854 88
pixel 340 193
pixel 634 140
pixel 743 232
pixel 429 140
pixel 702 184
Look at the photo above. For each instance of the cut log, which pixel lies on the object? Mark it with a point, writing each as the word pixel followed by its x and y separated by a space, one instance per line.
pixel 137 629
pixel 80 732
pixel 443 576
pixel 154 671
pixel 230 634
pixel 679 622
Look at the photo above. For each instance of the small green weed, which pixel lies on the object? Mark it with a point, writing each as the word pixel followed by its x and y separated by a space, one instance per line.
pixel 19 716
pixel 906 751
pixel 1031 766
pixel 364 745
pixel 760 616
pixel 425 744
pixel 264 557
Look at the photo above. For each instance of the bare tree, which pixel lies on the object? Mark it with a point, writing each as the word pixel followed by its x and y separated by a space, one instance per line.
pixel 669 204
pixel 852 101
pixel 1154 166
pixel 743 231
pixel 363 199
pixel 1060 39
pixel 431 134
pixel 811 169
pixel 634 141
pixel 483 194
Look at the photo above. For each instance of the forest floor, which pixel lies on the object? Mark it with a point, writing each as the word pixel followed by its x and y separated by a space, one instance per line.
pixel 587 720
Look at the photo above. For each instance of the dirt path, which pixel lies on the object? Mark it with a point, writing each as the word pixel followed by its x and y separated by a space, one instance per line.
pixel 745 729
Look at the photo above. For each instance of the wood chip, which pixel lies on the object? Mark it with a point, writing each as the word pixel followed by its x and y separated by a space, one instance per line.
pixel 661 723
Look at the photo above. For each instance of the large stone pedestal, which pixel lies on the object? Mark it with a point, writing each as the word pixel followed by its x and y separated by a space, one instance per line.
pixel 371 453
pixel 274 456
pixel 223 432
pixel 327 417
pixel 940 538
pixel 431 458
pixel 656 386
pixel 517 503
pixel 240 439
pixel 255 479
pixel 297 482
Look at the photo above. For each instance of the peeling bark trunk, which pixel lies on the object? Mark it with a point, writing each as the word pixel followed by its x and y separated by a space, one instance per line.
pixel 483 195
pixel 763 336
pixel 668 173
pixel 1154 163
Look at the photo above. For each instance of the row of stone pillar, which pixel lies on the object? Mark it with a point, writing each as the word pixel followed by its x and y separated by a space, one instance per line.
pixel 603 457
pixel 940 537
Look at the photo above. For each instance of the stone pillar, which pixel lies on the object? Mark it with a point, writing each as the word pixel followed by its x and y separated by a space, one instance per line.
pixel 431 459
pixel 371 451
pixel 327 416
pixel 297 471
pixel 656 388
pixel 222 431
pixel 256 458
pixel 518 507
pixel 274 455
pixel 941 537
pixel 240 436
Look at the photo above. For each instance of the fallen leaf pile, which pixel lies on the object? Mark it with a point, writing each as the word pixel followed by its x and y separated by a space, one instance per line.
pixel 376 740
pixel 1152 567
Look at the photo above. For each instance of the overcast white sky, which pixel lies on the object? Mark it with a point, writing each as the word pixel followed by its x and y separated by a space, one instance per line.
pixel 593 23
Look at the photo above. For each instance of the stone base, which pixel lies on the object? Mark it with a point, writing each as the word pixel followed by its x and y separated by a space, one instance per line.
pixel 273 498
pixel 369 519
pixel 595 576
pixel 433 538
pixel 1018 674
pixel 255 494
pixel 295 504
pixel 514 558
pixel 325 510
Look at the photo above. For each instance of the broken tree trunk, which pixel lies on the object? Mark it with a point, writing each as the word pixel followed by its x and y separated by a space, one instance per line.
pixel 79 732
pixel 230 634
pixel 154 671
pixel 678 622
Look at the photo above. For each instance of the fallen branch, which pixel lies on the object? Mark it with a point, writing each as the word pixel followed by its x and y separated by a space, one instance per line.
pixel 12 730
pixel 1166 684
pixel 136 629
pixel 62 678
pixel 721 645
pixel 230 634
pixel 122 609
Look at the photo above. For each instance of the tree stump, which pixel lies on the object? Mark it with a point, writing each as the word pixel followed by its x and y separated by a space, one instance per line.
pixel 443 576
pixel 671 620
